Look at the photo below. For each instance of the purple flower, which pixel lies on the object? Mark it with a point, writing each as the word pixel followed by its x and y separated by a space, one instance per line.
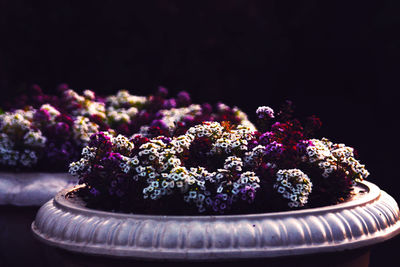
pixel 58 153
pixel 62 129
pixel 111 191
pixel 252 144
pixel 302 145
pixel 143 115
pixel 274 149
pixel 98 167
pixel 119 193
pixel 279 127
pixel 160 124
pixel 183 99
pixel 112 157
pixel 94 192
pixel 166 140
pixel 62 88
pixel 36 89
pixel 100 140
pixel 41 115
pixel 206 108
pixel 247 193
pixel 188 119
pixel 162 91
pixel 169 103
pixel 266 138
pixel 65 118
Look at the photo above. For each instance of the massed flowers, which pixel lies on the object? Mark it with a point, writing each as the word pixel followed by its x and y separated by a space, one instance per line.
pixel 219 168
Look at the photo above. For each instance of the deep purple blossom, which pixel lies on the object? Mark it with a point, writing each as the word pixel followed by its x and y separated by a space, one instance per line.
pixel 41 115
pixel 62 129
pixel 113 158
pixel 183 99
pixel 100 140
pixel 159 123
pixel 274 150
pixel 302 146
pixel 162 91
pixel 62 88
pixel 266 138
pixel 169 103
pixel 188 120
pixel 248 194
pixel 94 192
pixel 206 108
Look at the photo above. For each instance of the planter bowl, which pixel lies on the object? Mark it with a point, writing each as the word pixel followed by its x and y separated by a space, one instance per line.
pixel 21 195
pixel 371 217
pixel 32 188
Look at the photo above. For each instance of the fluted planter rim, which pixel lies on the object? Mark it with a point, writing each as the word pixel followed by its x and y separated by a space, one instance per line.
pixel 370 218
pixel 60 200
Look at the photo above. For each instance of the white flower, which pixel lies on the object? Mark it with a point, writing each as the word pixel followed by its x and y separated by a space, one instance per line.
pixel 82 129
pixel 265 112
pixel 293 185
pixel 34 139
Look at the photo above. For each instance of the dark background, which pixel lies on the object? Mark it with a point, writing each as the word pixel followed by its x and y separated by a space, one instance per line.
pixel 338 60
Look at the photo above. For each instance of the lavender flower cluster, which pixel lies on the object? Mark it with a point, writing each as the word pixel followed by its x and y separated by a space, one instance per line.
pixel 219 168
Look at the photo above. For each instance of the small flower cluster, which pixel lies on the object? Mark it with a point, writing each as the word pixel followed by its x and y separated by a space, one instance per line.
pixel 17 128
pixel 151 115
pixel 41 138
pixel 331 158
pixel 157 114
pixel 167 169
pixel 123 107
pixel 329 169
pixel 337 156
pixel 161 167
pixel 169 117
pixel 85 105
pixel 294 185
pixel 265 112
pixel 83 128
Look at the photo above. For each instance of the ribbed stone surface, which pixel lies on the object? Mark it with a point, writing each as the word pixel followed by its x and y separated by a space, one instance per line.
pixel 370 218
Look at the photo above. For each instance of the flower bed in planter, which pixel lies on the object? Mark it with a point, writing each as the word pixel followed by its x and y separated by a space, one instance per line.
pixel 219 192
pixel 40 134
pixel 219 168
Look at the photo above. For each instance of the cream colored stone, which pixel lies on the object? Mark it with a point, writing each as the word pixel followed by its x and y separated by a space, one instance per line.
pixel 370 218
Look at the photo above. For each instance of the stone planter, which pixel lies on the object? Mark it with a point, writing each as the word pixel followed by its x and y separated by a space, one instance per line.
pixel 21 195
pixel 340 235
pixel 32 188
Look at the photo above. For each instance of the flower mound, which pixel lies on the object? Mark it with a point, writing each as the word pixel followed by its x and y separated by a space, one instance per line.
pixel 219 168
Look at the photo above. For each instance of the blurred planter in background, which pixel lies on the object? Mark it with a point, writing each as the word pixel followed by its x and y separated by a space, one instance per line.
pixel 21 195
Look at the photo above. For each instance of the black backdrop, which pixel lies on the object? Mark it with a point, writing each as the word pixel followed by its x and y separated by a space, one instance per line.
pixel 338 60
